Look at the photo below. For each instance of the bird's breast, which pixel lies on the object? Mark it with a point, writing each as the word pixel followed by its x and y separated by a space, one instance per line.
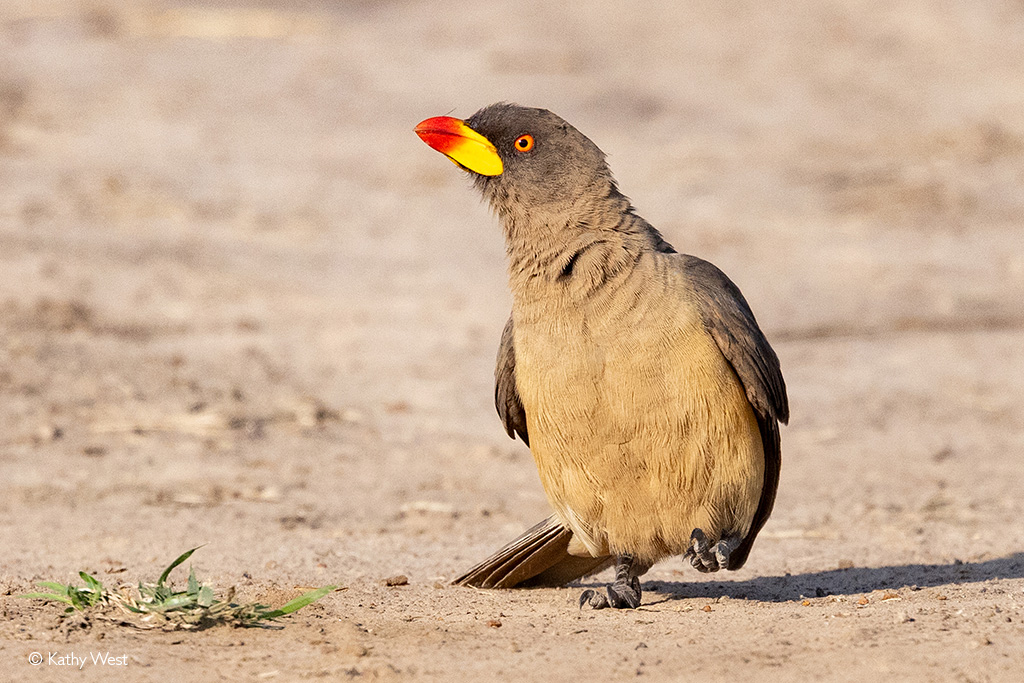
pixel 597 368
pixel 641 430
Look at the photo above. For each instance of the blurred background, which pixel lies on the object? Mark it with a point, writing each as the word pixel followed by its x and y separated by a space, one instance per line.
pixel 240 300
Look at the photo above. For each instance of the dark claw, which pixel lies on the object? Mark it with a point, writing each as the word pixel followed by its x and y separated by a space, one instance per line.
pixel 700 554
pixel 621 596
pixel 724 548
pixel 596 600
pixel 624 593
pixel 706 557
pixel 699 565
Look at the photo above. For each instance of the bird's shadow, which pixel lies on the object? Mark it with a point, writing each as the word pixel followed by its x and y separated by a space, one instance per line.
pixel 844 581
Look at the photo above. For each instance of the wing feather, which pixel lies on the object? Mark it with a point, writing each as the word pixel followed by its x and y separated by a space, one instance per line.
pixel 506 395
pixel 728 318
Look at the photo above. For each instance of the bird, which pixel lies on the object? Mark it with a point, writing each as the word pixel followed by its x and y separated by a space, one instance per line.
pixel 638 376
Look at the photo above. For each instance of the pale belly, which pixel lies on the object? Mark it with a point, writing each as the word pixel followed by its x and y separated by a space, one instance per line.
pixel 639 436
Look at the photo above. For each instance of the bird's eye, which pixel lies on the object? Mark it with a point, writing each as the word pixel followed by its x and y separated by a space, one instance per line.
pixel 524 143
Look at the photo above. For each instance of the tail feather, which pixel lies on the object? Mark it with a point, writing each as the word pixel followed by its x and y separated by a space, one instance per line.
pixel 537 558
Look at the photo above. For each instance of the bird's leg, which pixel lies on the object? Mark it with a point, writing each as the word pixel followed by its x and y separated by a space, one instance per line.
pixel 708 557
pixel 624 592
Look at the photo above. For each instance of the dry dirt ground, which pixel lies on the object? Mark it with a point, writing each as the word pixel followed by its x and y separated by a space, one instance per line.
pixel 242 305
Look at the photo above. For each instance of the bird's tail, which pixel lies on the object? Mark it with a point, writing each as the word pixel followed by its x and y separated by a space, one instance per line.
pixel 538 558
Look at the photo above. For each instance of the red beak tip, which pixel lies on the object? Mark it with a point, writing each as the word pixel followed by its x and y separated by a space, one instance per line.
pixel 439 124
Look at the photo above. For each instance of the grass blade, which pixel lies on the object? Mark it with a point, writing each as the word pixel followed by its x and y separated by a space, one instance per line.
pixel 181 558
pixel 46 596
pixel 298 603
pixel 81 598
pixel 91 583
pixel 176 601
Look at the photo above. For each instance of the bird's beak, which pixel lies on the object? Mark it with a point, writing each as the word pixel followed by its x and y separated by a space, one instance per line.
pixel 460 143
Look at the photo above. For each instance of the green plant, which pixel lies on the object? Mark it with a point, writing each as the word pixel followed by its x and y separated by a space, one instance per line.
pixel 195 606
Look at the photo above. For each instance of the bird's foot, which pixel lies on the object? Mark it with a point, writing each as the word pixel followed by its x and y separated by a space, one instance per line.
pixel 624 593
pixel 708 557
pixel 619 595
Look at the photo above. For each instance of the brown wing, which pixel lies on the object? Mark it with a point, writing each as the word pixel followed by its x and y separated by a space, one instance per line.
pixel 731 323
pixel 506 396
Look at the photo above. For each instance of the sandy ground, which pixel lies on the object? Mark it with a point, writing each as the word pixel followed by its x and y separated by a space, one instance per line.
pixel 242 305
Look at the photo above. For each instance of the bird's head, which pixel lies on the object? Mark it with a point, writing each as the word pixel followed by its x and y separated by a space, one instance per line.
pixel 523 159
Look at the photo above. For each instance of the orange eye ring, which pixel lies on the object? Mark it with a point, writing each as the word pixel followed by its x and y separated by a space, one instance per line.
pixel 524 143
